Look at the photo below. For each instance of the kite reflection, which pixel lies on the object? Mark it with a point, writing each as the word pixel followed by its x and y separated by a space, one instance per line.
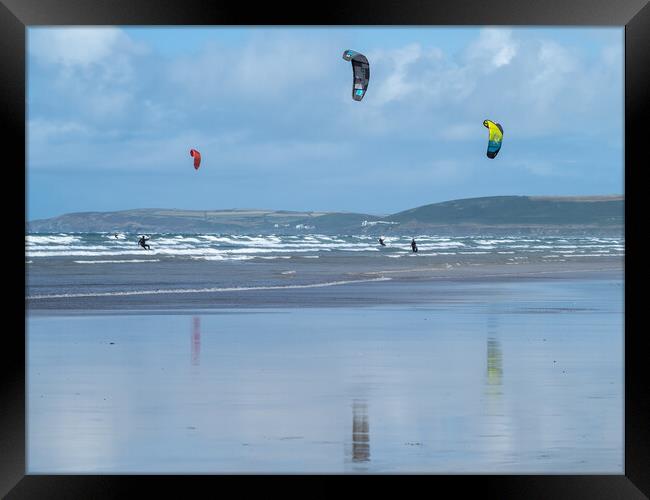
pixel 494 368
pixel 360 432
pixel 196 340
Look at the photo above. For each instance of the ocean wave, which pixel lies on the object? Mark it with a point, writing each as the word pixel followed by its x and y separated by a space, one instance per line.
pixel 594 255
pixel 222 257
pixel 61 239
pixel 492 242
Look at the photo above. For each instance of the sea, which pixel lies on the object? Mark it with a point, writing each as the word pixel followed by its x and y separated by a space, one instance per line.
pixel 78 265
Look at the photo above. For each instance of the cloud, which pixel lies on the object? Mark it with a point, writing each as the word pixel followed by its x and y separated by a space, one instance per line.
pixel 92 72
pixel 414 74
pixel 267 67
pixel 539 168
pixel 551 69
pixel 80 46
pixel 72 46
pixel 286 154
pixel 493 49
pixel 40 130
pixel 534 85
pixel 459 132
pixel 278 78
pixel 528 84
pixel 55 144
pixel 395 84
pixel 612 55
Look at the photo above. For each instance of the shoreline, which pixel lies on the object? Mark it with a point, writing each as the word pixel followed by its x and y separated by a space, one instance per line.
pixel 361 289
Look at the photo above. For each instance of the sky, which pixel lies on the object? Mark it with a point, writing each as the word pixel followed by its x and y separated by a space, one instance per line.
pixel 112 113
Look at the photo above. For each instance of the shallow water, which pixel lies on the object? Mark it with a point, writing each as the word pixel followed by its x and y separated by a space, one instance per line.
pixel 509 377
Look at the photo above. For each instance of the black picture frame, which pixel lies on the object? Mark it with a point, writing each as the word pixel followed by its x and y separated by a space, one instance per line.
pixel 17 15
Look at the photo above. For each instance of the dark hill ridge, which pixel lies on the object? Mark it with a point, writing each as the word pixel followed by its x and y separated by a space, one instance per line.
pixel 495 214
pixel 518 210
pixel 157 220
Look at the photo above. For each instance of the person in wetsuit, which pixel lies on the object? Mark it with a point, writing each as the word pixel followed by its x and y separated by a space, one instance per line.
pixel 142 243
pixel 381 242
pixel 414 246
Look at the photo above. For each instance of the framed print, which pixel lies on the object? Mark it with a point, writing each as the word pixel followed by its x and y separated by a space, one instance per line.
pixel 369 239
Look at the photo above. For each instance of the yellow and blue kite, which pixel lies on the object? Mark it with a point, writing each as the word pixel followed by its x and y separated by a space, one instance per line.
pixel 496 137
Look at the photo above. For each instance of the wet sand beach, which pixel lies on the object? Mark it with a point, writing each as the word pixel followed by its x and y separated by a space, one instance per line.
pixel 445 371
pixel 201 285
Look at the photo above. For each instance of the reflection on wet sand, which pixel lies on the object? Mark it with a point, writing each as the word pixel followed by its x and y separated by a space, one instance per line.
pixel 493 388
pixel 289 390
pixel 360 432
pixel 494 369
pixel 196 340
pixel 494 362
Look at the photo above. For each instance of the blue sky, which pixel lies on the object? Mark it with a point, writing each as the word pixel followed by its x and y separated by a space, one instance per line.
pixel 113 112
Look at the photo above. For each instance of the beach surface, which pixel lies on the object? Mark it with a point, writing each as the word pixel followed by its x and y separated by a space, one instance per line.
pixel 490 368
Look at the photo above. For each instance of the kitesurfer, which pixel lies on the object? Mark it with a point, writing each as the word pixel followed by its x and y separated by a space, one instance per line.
pixel 414 246
pixel 381 242
pixel 142 243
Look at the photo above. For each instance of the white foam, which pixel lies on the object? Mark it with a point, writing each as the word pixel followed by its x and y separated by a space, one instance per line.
pixel 593 255
pixel 492 242
pixel 78 253
pixel 441 244
pixel 61 248
pixel 222 257
pixel 201 290
pixel 61 239
pixel 114 261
